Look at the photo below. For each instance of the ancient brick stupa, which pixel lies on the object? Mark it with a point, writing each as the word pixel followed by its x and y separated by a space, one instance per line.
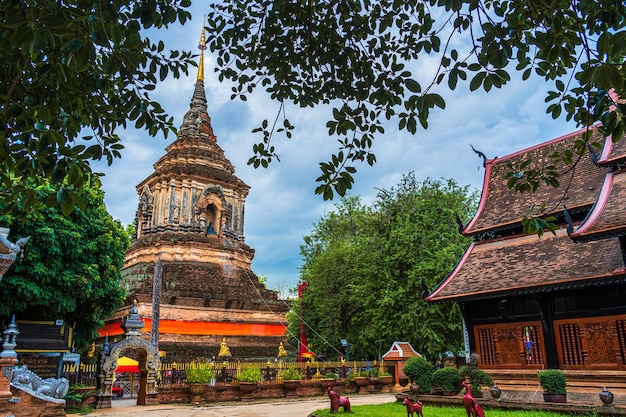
pixel 190 239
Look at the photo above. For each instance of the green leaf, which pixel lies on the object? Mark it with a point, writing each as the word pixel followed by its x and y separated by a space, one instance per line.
pixel 413 85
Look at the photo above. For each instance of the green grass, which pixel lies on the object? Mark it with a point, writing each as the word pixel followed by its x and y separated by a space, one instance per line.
pixel 397 409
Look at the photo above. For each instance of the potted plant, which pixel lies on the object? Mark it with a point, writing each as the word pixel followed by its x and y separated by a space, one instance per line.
pixel 248 381
pixel 477 379
pixel 554 385
pixel 362 379
pixel 448 379
pixel 385 380
pixel 420 371
pixel 198 378
pixel 329 379
pixel 291 380
pixel 291 374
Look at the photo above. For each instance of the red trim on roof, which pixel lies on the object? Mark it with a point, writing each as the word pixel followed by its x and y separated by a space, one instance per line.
pixel 598 207
pixel 452 274
pixel 607 150
pixel 483 196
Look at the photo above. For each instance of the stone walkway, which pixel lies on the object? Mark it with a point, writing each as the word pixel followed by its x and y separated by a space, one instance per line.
pixel 301 407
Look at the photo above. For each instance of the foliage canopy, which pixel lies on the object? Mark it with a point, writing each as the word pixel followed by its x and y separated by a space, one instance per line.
pixel 363 267
pixel 357 56
pixel 70 269
pixel 72 73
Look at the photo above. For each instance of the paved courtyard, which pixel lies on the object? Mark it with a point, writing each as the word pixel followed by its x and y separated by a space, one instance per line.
pixel 278 408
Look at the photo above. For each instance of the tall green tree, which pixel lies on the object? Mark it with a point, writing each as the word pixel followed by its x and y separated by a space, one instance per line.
pixel 333 259
pixel 72 73
pixel 71 265
pixel 418 241
pixel 357 55
pixel 364 267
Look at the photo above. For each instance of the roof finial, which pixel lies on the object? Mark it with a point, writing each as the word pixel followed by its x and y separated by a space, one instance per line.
pixel 201 47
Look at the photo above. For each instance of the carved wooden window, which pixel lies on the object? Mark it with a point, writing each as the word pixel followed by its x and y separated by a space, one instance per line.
pixel 487 347
pixel 571 345
pixel 594 342
pixel 621 337
pixel 510 345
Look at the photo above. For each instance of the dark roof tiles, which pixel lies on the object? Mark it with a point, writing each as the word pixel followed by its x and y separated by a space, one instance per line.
pixel 501 207
pixel 498 267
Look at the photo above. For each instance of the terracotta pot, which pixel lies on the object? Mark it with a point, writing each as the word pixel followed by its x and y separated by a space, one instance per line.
pixel 197 390
pixel 362 382
pixel 328 382
pixel 291 388
pixel 555 398
pixel 248 387
pixel 414 388
pixel 385 380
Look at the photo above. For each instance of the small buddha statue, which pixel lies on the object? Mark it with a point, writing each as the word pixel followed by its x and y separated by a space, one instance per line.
pixel 282 352
pixel 224 349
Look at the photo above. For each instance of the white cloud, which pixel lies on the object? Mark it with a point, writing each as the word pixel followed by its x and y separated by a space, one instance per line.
pixel 282 207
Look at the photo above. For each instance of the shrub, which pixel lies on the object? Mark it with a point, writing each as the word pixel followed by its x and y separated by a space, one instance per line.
pixel 448 379
pixel 478 377
pixel 331 375
pixel 199 374
pixel 250 375
pixel 420 371
pixel 291 374
pixel 553 381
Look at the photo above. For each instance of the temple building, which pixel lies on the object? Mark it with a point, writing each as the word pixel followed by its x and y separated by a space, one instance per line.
pixel 189 268
pixel 555 301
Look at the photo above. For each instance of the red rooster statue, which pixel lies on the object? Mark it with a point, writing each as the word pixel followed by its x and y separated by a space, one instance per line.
pixel 472 408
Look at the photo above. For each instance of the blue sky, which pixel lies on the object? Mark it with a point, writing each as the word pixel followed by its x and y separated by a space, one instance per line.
pixel 282 207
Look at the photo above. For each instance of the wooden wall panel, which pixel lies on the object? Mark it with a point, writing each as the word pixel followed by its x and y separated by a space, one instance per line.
pixel 510 345
pixel 591 343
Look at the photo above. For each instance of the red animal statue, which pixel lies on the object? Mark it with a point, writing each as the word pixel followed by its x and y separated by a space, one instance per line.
pixel 412 407
pixel 337 401
pixel 472 408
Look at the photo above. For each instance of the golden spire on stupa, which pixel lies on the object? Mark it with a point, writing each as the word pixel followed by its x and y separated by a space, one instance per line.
pixel 201 47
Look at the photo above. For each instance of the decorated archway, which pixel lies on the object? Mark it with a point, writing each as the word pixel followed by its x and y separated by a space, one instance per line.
pixel 211 210
pixel 148 363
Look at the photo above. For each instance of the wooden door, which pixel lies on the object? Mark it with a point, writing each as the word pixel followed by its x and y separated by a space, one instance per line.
pixel 510 345
pixel 591 343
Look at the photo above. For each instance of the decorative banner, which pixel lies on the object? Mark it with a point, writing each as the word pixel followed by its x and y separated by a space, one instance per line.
pixel 202 328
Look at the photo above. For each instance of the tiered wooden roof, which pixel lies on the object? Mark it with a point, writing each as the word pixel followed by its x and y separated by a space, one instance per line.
pixel 497 264
pixel 501 207
pixel 529 264
pixel 606 219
